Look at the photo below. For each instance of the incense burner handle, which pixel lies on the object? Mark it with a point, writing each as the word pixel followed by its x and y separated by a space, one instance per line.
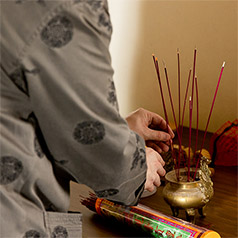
pixel 206 184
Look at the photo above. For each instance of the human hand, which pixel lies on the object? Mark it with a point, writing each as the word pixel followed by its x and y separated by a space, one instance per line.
pixel 155 169
pixel 152 127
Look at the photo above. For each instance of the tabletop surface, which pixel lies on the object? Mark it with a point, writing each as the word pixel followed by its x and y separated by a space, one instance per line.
pixel 221 211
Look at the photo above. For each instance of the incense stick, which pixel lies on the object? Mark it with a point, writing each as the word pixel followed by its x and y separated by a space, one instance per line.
pixel 209 117
pixel 178 86
pixel 164 107
pixel 89 201
pixel 190 131
pixel 191 106
pixel 160 85
pixel 197 101
pixel 171 101
pixel 193 78
pixel 194 69
pixel 181 120
pixel 184 105
pixel 179 108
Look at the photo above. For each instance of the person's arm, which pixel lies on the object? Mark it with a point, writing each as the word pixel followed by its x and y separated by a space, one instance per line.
pixel 158 135
pixel 74 100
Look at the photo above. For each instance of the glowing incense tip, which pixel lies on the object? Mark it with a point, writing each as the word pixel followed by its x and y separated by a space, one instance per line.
pixel 190 103
pixel 223 65
pixel 153 55
pixel 156 59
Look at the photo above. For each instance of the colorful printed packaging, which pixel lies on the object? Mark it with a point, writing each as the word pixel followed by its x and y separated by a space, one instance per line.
pixel 151 221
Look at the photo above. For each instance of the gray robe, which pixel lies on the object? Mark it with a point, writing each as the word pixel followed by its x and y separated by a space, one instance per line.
pixel 59 117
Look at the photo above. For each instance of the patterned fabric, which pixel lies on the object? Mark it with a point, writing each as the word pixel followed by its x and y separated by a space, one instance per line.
pixel 106 193
pixel 19 79
pixel 89 132
pixel 32 234
pixel 224 145
pixel 59 232
pixel 38 149
pixel 38 1
pixel 112 97
pixel 59 117
pixel 58 32
pixel 10 168
pixel 139 155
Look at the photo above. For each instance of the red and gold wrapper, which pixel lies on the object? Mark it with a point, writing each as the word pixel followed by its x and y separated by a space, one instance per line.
pixel 151 221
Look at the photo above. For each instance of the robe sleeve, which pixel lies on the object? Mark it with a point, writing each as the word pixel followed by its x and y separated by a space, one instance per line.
pixel 72 94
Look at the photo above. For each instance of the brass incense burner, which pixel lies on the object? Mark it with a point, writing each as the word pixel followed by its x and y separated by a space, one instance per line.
pixel 191 195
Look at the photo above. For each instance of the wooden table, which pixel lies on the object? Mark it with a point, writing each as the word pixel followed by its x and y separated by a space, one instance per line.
pixel 221 211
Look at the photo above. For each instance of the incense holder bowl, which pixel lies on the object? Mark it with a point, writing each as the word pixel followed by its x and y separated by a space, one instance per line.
pixel 189 195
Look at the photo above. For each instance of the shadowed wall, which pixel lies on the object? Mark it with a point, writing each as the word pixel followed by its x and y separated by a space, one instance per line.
pixel 143 27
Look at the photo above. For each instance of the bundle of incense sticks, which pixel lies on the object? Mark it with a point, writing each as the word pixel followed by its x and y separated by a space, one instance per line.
pixel 179 127
pixel 146 219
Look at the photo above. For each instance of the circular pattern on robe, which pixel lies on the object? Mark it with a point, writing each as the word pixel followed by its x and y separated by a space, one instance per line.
pixel 107 192
pixel 10 169
pixel 112 98
pixel 59 232
pixel 89 132
pixel 139 156
pixel 58 32
pixel 32 234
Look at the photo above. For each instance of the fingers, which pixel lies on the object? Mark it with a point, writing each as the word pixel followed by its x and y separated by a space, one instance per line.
pixel 160 131
pixel 158 122
pixel 149 125
pixel 150 185
pixel 155 135
pixel 164 146
pixel 161 171
pixel 158 146
pixel 154 146
pixel 153 180
pixel 170 131
pixel 155 169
